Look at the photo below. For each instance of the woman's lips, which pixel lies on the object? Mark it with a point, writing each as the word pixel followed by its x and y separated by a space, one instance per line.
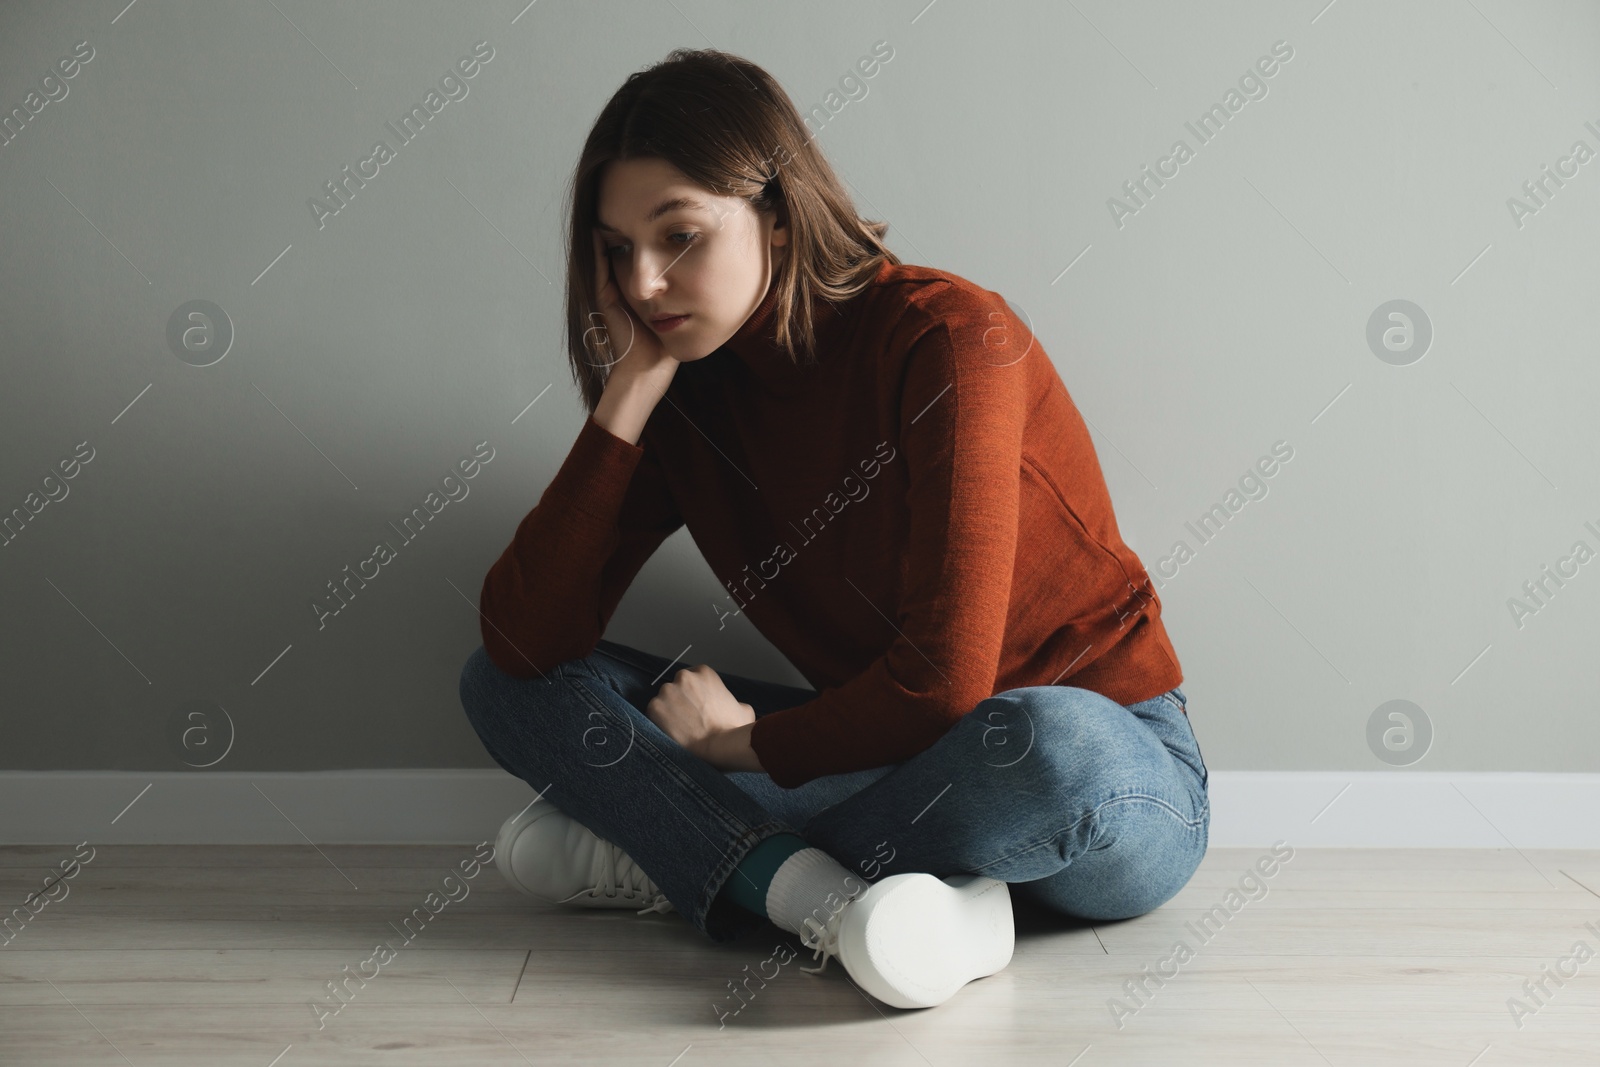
pixel 663 325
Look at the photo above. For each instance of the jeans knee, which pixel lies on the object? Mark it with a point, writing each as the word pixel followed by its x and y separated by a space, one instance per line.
pixel 470 685
pixel 486 691
pixel 1064 739
pixel 483 686
pixel 502 708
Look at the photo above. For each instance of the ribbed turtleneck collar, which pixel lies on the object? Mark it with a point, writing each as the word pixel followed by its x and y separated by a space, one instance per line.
pixel 755 344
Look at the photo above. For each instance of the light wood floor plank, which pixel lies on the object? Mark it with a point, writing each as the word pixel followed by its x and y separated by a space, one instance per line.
pixel 191 955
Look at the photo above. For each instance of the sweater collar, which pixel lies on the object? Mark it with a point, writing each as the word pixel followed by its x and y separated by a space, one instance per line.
pixel 755 344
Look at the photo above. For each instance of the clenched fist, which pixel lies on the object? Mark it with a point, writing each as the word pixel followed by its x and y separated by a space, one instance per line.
pixel 695 708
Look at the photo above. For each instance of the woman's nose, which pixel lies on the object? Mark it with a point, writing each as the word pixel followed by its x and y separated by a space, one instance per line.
pixel 646 278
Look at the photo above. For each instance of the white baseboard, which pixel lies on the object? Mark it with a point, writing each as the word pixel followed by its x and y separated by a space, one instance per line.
pixel 1249 809
pixel 1388 809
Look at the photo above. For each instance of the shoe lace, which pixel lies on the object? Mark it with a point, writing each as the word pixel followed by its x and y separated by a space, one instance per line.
pixel 823 938
pixel 614 873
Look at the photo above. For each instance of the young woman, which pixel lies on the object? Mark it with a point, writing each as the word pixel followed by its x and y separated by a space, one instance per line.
pixel 883 468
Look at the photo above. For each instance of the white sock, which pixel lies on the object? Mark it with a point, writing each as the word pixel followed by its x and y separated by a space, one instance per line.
pixel 801 888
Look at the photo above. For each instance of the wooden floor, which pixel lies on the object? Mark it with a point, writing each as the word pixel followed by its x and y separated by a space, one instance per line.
pixel 213 955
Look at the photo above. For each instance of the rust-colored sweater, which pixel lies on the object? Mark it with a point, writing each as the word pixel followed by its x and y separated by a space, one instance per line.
pixel 918 523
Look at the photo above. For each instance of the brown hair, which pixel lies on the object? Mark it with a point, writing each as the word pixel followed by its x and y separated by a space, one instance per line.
pixel 730 128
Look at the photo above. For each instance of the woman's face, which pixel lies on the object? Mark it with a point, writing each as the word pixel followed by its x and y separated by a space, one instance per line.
pixel 711 260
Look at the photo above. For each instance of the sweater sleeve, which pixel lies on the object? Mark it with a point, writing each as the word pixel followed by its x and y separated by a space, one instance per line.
pixel 962 414
pixel 548 597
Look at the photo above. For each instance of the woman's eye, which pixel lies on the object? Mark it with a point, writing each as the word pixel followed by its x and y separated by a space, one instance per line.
pixel 691 239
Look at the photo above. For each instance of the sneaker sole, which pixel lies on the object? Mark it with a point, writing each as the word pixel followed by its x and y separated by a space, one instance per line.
pixel 913 940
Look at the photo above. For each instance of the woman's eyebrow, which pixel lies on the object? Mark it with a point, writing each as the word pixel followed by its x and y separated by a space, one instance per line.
pixel 674 204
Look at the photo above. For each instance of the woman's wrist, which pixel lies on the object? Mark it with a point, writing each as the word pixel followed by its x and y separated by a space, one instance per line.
pixel 628 399
pixel 731 750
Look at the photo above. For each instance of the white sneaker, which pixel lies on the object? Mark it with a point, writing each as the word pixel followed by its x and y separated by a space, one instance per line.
pixel 547 854
pixel 912 940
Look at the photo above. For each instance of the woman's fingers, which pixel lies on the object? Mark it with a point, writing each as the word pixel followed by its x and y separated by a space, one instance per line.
pixel 607 346
pixel 618 331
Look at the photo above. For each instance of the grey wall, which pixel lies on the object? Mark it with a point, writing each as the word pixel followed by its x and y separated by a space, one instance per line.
pixel 1229 312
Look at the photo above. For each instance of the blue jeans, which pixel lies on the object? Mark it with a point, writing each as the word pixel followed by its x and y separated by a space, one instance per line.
pixel 1093 809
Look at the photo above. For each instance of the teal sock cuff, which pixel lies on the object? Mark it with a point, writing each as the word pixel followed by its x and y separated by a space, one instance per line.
pixel 747 885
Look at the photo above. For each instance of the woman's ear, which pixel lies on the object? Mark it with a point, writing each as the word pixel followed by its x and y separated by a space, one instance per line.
pixel 780 237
